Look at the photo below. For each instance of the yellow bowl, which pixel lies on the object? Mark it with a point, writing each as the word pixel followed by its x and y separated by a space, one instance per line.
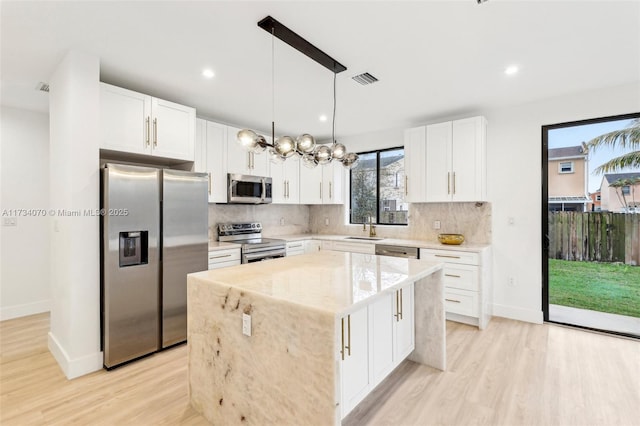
pixel 451 239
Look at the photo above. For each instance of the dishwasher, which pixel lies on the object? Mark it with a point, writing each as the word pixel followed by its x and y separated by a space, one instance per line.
pixel 398 251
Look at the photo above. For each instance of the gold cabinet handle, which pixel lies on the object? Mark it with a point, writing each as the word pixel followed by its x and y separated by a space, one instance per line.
pixel 401 308
pixel 155 132
pixel 342 339
pixel 348 347
pixel 397 314
pixel 209 183
pixel 454 183
pixel 406 185
pixel 452 275
pixel 148 130
pixel 219 256
pixel 452 300
pixel 330 192
pixel 448 256
pixel 448 182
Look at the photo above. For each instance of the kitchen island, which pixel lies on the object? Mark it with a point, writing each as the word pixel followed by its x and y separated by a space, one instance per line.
pixel 325 329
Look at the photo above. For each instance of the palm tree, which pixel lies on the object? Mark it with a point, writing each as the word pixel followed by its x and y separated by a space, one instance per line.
pixel 628 137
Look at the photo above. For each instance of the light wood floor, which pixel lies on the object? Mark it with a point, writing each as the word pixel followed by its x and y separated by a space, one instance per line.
pixel 512 373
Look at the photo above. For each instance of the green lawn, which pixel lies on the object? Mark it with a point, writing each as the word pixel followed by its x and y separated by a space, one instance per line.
pixel 596 286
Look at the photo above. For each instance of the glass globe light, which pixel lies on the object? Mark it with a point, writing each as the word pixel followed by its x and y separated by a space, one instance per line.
pixel 261 144
pixel 338 151
pixel 275 158
pixel 285 146
pixel 322 154
pixel 247 139
pixel 306 143
pixel 309 161
pixel 350 160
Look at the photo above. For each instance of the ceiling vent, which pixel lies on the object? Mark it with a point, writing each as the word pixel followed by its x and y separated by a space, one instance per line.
pixel 365 78
pixel 43 87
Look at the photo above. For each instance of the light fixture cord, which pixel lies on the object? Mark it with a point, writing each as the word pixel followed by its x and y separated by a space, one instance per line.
pixel 273 90
pixel 333 124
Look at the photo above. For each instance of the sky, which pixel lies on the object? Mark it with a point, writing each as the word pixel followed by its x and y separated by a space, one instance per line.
pixel 573 136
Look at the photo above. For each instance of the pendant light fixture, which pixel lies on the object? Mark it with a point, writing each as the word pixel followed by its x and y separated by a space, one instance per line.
pixel 304 145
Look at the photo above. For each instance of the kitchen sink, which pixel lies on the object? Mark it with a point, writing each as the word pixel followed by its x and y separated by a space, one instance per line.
pixel 364 238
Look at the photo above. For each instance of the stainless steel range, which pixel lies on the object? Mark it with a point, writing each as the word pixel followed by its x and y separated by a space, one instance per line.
pixel 254 247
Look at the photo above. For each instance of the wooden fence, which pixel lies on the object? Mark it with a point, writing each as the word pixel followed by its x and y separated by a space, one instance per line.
pixel 595 236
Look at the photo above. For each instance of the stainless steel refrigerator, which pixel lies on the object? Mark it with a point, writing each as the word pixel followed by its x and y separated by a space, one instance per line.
pixel 154 232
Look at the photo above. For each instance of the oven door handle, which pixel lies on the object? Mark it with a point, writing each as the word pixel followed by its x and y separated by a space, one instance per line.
pixel 261 254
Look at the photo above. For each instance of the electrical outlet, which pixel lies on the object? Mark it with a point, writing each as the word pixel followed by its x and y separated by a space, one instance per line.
pixel 436 224
pixel 326 221
pixel 511 282
pixel 246 324
pixel 282 221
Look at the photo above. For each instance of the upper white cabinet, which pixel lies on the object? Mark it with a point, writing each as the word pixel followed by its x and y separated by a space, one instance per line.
pixel 414 156
pixel 322 184
pixel 241 161
pixel 447 161
pixel 211 146
pixel 286 182
pixel 140 124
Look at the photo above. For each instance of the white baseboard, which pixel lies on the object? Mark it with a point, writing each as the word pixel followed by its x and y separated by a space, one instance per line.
pixel 526 315
pixel 17 311
pixel 73 368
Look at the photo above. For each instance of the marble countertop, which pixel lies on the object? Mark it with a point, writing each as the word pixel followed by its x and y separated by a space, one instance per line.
pixel 217 245
pixel 335 282
pixel 390 241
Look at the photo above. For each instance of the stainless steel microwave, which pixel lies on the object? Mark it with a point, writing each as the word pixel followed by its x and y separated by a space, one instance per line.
pixel 245 189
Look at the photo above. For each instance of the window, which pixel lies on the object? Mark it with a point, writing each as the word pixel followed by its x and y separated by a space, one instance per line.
pixel 565 167
pixel 626 190
pixel 377 188
pixel 598 198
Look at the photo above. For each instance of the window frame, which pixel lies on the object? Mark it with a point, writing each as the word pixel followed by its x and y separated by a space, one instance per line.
pixel 378 209
pixel 560 163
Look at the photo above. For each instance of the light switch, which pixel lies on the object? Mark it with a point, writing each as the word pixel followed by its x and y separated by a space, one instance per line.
pixel 436 224
pixel 246 324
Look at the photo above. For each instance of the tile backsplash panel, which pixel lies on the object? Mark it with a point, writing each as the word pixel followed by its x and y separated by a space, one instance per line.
pixel 473 220
pixel 296 217
pixel 470 219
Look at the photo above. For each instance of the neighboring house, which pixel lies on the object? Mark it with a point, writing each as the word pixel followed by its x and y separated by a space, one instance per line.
pixel 613 199
pixel 595 201
pixel 568 179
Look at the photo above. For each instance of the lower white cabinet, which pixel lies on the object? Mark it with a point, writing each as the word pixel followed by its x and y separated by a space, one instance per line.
pixel 295 248
pixel 350 246
pixel 312 246
pixel 373 341
pixel 224 258
pixel 467 284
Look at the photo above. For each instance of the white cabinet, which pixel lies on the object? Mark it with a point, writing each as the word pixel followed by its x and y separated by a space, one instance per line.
pixel 414 157
pixel 467 284
pixel 373 341
pixel 312 246
pixel 446 161
pixel 135 123
pixel 223 258
pixel 286 181
pixel 295 248
pixel 211 147
pixel 456 160
pixel 322 184
pixel 353 247
pixel 354 354
pixel 241 161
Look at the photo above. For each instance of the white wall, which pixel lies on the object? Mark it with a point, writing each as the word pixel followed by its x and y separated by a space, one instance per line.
pixel 24 254
pixel 515 186
pixel 74 104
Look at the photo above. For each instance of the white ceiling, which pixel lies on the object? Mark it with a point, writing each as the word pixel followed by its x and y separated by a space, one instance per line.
pixel 433 59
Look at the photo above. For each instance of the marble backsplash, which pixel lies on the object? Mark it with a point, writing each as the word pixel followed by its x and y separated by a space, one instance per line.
pixel 473 220
pixel 296 217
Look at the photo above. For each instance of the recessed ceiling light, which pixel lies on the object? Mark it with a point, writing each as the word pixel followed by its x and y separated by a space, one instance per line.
pixel 208 73
pixel 323 117
pixel 511 70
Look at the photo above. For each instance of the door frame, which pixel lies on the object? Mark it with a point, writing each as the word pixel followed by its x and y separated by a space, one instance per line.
pixel 545 209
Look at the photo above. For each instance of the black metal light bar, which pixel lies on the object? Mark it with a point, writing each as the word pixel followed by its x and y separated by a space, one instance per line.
pixel 294 40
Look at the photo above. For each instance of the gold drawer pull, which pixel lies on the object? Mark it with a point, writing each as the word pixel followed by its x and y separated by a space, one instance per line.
pixel 452 275
pixel 219 257
pixel 452 300
pixel 448 256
